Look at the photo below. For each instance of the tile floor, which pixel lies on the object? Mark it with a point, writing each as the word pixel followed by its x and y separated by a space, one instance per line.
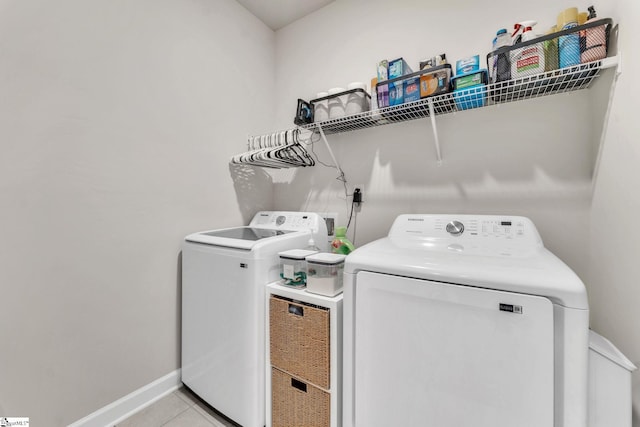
pixel 181 408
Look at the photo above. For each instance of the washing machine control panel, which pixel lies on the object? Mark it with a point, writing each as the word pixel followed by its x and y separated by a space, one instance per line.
pixel 287 220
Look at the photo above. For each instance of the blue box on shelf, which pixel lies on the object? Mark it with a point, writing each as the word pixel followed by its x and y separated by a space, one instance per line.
pixel 468 65
pixel 396 93
pixel 398 68
pixel 470 89
pixel 412 89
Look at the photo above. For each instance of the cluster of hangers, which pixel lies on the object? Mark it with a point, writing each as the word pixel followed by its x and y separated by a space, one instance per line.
pixel 277 150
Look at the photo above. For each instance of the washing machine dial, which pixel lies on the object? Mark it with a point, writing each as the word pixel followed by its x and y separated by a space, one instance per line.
pixel 455 228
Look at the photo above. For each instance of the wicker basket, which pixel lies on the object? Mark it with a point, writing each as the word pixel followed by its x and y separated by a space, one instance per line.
pixel 300 340
pixel 296 403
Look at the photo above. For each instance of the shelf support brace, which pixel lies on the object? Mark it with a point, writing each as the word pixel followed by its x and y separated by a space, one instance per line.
pixel 436 140
pixel 619 67
pixel 333 157
pixel 607 114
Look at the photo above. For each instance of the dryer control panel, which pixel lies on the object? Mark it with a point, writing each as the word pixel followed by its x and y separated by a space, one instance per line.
pixel 507 228
pixel 489 229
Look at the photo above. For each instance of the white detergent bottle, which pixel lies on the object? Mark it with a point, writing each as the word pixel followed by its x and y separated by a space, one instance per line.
pixel 500 67
pixel 528 60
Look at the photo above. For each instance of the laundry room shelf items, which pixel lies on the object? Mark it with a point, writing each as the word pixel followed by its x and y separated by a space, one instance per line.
pixel 550 83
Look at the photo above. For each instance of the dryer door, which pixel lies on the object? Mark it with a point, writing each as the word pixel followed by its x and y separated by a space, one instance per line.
pixel 436 354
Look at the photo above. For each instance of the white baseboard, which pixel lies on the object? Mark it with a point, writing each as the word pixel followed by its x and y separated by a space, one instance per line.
pixel 126 406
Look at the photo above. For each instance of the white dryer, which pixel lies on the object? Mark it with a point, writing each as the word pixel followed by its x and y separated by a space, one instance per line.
pixel 461 320
pixel 224 275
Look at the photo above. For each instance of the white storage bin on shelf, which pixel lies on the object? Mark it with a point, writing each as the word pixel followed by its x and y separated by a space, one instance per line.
pixel 293 267
pixel 324 273
pixel 341 103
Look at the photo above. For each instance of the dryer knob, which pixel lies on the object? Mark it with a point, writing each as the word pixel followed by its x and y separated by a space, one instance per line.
pixel 455 228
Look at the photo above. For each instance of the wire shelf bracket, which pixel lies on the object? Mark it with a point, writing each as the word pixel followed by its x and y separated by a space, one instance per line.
pixel 333 157
pixel 434 128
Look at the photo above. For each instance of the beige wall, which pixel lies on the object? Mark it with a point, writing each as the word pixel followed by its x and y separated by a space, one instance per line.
pixel 614 290
pixel 117 119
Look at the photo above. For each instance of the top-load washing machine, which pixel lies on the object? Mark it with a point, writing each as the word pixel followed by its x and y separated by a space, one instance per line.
pixel 224 274
pixel 461 320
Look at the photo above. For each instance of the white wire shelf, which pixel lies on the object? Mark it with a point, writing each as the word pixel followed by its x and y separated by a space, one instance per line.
pixel 554 82
pixel 551 83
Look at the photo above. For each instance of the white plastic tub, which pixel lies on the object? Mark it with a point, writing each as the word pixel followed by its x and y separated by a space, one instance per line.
pixel 325 273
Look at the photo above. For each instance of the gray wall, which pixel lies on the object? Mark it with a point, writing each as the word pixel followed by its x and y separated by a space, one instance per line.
pixel 117 119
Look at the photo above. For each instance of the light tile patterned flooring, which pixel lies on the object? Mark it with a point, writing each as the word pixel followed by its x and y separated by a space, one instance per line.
pixel 181 408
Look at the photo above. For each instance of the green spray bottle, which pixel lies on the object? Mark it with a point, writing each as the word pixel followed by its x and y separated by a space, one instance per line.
pixel 341 245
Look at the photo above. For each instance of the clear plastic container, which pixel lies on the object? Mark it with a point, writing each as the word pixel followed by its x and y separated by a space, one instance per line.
pixel 356 101
pixel 336 103
pixel 321 109
pixel 293 267
pixel 325 273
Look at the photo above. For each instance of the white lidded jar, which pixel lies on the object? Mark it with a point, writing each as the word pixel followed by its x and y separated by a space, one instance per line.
pixel 321 108
pixel 325 273
pixel 336 103
pixel 356 101
pixel 293 267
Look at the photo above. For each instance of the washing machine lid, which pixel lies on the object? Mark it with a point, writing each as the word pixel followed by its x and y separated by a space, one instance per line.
pixel 493 252
pixel 237 237
pixel 265 228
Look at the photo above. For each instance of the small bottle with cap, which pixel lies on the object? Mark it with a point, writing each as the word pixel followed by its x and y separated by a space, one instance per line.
pixel 341 245
pixel 593 41
pixel 501 67
pixel 311 245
